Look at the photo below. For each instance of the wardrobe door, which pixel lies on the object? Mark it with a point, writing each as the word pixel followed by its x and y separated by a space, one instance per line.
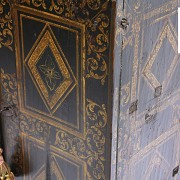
pixel 146 124
pixel 56 72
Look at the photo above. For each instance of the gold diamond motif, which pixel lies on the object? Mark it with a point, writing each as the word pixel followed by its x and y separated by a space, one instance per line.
pixel 52 90
pixel 166 33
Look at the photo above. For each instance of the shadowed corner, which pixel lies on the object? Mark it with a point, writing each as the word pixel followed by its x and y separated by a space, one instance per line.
pixel 10 138
pixel 16 160
pixel 5 172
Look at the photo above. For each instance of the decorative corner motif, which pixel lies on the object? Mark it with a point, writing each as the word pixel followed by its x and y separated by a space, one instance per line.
pixel 97 37
pixel 33 127
pixel 91 149
pixel 96 112
pixel 6 35
pixel 96 65
pixel 9 86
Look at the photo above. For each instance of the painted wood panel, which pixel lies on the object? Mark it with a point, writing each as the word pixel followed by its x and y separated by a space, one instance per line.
pixel 56 68
pixel 146 92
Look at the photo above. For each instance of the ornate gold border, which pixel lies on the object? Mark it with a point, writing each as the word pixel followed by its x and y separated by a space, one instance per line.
pixel 131 125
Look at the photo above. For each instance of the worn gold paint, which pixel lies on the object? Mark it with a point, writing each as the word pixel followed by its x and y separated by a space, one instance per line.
pixel 97 45
pixel 6 35
pixel 132 125
pixel 165 33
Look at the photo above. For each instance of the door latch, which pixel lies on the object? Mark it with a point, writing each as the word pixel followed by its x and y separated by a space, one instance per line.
pixel 124 24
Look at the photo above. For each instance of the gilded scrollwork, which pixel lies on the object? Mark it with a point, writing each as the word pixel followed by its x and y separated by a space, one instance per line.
pixel 96 113
pixel 6 35
pixel 91 149
pixel 35 3
pixel 95 66
pixel 12 133
pixel 95 137
pixel 71 144
pixel 71 9
pixel 97 37
pixel 94 4
pixel 38 3
pixel 100 42
pixel 59 7
pixel 33 127
pixel 65 8
pixel 9 86
pixel 97 29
